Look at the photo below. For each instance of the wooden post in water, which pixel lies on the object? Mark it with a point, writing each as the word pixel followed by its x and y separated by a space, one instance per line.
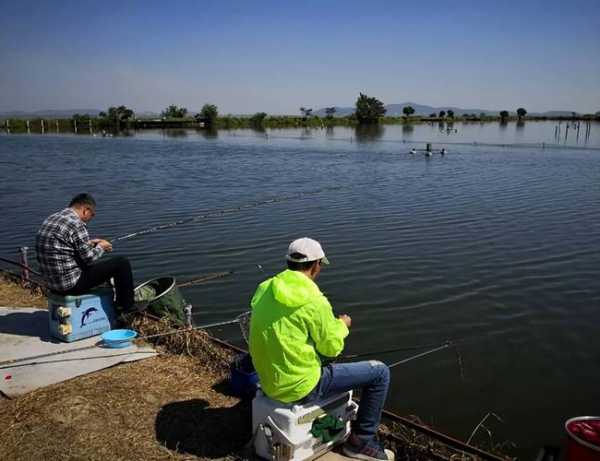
pixel 56 126
pixel 42 123
pixel 91 131
pixel 7 126
pixel 28 127
pixel 75 125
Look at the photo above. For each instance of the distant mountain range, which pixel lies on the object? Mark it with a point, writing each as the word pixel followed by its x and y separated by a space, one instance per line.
pixel 392 110
pixel 421 109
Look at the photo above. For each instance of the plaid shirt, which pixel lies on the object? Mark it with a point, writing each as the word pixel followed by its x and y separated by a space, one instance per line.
pixel 64 249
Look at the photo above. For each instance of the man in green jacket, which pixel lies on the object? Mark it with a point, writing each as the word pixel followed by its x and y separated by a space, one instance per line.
pixel 291 327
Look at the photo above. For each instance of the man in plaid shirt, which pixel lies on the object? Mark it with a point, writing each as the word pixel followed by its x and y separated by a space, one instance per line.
pixel 69 258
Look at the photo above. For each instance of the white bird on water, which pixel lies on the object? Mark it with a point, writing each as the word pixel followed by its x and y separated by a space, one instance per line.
pixel 413 151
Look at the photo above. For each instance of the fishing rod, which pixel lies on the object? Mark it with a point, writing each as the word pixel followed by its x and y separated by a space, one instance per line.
pixel 22 266
pixel 422 354
pixel 388 351
pixel 222 212
pixel 205 278
pixel 217 275
pixel 10 363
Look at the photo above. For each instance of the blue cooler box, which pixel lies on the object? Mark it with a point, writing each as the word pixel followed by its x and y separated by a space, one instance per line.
pixel 78 317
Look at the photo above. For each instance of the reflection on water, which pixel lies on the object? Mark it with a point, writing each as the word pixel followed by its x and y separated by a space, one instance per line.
pixel 547 134
pixel 209 133
pixel 175 133
pixel 258 129
pixel 408 128
pixel 369 133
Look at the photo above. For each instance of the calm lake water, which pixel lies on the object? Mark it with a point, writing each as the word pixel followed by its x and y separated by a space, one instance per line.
pixel 496 245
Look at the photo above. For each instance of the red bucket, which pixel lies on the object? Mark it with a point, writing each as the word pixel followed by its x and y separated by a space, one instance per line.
pixel 584 438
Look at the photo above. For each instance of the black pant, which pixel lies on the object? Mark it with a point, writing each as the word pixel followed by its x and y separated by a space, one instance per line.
pixel 117 268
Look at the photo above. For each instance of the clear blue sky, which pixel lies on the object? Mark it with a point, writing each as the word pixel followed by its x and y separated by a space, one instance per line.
pixel 276 56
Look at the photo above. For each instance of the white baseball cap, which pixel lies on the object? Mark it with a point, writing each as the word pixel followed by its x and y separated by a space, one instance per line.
pixel 309 248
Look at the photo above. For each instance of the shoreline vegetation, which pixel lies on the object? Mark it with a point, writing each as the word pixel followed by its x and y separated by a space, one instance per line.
pixel 174 406
pixel 95 125
pixel 368 111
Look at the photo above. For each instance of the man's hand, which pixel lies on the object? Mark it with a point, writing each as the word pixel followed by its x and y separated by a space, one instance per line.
pixel 346 319
pixel 104 244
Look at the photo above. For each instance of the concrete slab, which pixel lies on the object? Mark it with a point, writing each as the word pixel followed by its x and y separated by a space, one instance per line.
pixel 24 333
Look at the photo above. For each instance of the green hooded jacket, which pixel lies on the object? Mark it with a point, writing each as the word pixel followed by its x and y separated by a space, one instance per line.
pixel 292 323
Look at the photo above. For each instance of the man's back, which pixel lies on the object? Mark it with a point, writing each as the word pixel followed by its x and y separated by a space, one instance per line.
pixel 62 246
pixel 292 323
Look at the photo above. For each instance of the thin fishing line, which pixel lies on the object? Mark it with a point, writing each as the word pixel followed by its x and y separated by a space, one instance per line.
pixel 222 212
pixel 388 351
pixel 205 278
pixel 446 345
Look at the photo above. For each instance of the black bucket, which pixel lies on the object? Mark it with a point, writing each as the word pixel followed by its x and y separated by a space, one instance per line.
pixel 166 301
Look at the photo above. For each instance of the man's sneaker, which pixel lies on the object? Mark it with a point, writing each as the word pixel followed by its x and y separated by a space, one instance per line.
pixel 371 451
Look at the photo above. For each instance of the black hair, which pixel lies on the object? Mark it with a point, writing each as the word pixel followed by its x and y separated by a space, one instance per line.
pixel 296 266
pixel 83 200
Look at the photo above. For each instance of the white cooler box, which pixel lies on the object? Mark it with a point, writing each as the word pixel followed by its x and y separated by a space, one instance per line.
pixel 282 432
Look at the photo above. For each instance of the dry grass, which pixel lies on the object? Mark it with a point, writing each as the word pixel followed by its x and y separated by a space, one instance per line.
pixel 13 295
pixel 192 343
pixel 164 408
